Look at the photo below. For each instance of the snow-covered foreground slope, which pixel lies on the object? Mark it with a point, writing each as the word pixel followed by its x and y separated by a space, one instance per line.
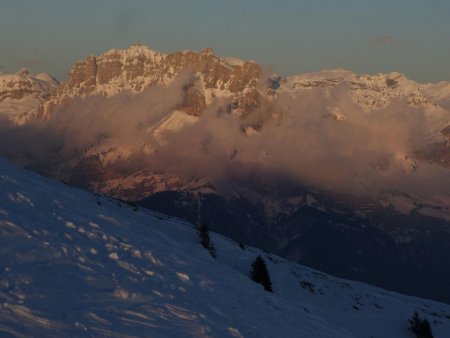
pixel 74 264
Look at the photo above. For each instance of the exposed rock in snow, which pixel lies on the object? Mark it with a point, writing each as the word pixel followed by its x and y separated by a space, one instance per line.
pixel 22 93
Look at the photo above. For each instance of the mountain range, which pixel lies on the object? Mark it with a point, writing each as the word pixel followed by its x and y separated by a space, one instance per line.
pixel 344 172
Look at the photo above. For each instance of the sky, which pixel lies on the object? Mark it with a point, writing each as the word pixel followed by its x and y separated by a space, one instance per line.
pixel 289 37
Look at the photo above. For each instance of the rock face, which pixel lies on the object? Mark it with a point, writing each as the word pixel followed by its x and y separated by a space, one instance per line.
pixel 21 94
pixel 139 68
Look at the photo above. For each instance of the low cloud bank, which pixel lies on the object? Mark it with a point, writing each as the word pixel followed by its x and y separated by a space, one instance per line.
pixel 318 138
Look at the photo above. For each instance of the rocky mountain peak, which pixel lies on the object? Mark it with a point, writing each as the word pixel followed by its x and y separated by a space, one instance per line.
pixel 139 67
pixel 207 50
pixel 23 71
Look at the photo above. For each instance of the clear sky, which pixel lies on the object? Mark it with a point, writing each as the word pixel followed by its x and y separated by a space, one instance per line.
pixel 290 36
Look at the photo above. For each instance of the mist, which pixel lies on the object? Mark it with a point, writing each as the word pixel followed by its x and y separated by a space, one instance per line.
pixel 303 140
pixel 318 138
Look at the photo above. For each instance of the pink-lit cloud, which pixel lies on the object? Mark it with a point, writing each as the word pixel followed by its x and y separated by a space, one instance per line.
pixel 386 40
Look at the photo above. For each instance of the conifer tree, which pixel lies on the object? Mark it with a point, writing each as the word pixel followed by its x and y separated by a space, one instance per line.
pixel 205 241
pixel 259 273
pixel 203 233
pixel 420 327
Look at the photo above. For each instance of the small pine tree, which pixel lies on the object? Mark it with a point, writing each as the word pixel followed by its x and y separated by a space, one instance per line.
pixel 259 273
pixel 203 233
pixel 212 251
pixel 420 327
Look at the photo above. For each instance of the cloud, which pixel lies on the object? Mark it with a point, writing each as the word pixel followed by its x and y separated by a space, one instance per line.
pixel 88 122
pixel 365 153
pixel 386 40
pixel 294 138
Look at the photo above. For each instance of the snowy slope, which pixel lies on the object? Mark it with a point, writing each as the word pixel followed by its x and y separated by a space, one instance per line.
pixel 438 92
pixel 76 264
pixel 370 91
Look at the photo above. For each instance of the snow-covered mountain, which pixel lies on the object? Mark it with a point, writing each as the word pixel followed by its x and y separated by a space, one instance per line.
pixel 371 91
pixel 75 264
pixel 22 93
pixel 199 82
pixel 137 68
pixel 438 92
pixel 356 162
pixel 245 83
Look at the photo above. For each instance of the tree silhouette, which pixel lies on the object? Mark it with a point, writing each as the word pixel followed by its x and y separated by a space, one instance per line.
pixel 259 273
pixel 203 233
pixel 420 327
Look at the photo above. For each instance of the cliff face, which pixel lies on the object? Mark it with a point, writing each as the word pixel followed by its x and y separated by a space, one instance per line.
pixel 139 68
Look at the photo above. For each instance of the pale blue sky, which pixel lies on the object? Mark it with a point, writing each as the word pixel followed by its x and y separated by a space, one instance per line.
pixel 290 36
